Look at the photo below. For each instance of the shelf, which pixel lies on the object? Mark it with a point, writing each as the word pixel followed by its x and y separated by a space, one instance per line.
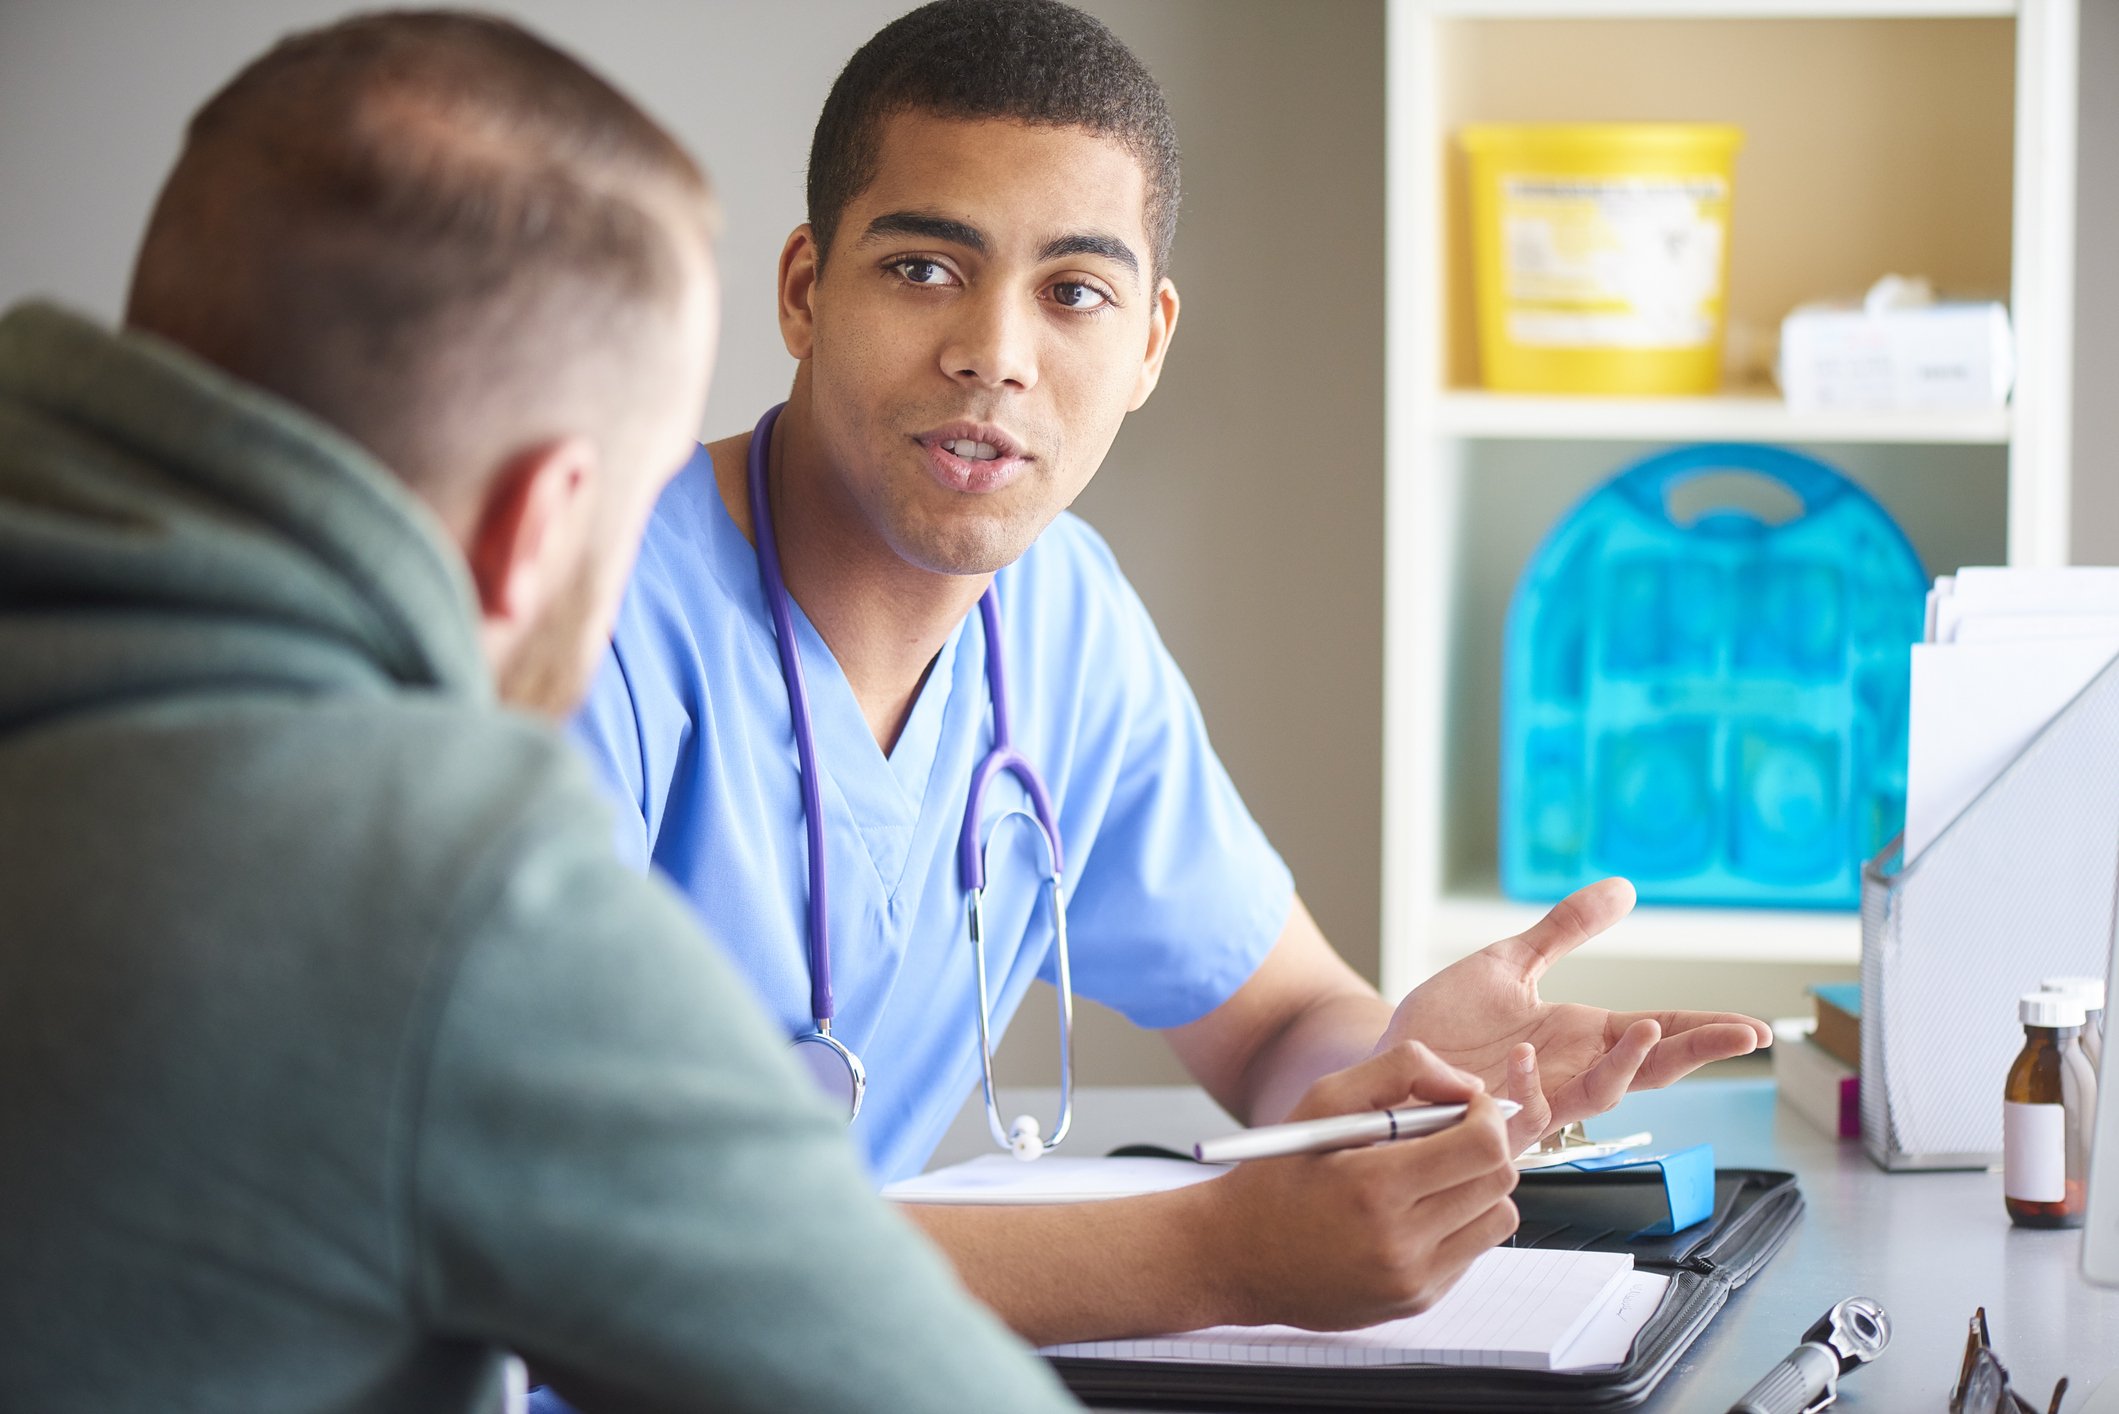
pixel 1930 136
pixel 1739 417
pixel 1727 9
pixel 1891 152
pixel 1462 923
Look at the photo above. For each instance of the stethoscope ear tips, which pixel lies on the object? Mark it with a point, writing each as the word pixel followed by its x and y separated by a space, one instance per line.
pixel 1026 1138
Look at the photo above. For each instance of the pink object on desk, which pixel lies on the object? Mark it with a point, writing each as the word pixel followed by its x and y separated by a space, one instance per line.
pixel 1815 1083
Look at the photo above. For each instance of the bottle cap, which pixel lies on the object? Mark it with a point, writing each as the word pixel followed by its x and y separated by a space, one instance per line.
pixel 2049 1009
pixel 2087 990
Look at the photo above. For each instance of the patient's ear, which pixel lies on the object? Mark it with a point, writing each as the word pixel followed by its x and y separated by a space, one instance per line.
pixel 799 267
pixel 528 534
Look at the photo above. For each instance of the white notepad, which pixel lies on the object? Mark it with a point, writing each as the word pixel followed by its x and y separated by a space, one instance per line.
pixel 1515 1308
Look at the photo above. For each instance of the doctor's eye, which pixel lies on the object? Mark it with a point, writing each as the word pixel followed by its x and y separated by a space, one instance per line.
pixel 1075 295
pixel 916 271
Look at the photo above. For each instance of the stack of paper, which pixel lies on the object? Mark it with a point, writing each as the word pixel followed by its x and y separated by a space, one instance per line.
pixel 1515 1308
pixel 2006 650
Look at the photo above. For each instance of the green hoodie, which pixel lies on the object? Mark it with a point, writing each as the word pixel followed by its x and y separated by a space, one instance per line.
pixel 337 1052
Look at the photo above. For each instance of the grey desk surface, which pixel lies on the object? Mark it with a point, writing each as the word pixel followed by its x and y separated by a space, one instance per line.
pixel 1930 1247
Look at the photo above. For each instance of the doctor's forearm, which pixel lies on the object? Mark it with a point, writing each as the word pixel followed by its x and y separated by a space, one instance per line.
pixel 1324 1241
pixel 1092 1271
pixel 1302 1015
pixel 1328 1036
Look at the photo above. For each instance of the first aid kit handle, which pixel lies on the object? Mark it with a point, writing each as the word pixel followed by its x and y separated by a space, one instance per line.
pixel 1649 484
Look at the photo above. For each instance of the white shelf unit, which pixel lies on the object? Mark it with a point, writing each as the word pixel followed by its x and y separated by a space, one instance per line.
pixel 1739 417
pixel 1927 137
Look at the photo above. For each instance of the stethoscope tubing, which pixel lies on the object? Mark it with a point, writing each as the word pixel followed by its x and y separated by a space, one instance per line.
pixel 1024 1138
pixel 778 603
pixel 971 860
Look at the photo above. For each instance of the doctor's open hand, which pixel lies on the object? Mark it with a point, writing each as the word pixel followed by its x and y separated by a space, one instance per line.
pixel 1346 1239
pixel 1561 1062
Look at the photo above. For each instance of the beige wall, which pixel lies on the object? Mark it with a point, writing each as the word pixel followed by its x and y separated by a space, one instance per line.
pixel 1245 501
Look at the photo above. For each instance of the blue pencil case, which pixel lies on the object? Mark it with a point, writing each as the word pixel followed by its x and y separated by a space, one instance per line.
pixel 1621 1197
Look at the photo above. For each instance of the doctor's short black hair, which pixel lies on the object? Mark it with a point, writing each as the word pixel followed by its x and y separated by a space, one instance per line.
pixel 1031 61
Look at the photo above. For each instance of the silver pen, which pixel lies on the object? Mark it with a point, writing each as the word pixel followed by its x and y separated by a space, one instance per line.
pixel 1317 1136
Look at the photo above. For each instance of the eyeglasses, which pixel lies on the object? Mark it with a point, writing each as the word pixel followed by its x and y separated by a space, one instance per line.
pixel 1983 1383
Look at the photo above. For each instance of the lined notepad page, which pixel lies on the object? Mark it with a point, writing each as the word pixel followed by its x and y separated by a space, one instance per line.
pixel 1515 1308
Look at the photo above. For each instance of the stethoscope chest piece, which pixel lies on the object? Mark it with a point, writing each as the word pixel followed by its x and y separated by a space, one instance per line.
pixel 836 1069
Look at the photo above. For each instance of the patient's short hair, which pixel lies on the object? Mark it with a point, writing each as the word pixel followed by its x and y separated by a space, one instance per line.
pixel 1030 61
pixel 430 228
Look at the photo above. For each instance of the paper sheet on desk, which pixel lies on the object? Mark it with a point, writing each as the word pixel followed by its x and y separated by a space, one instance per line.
pixel 1002 1178
pixel 1515 1308
pixel 1608 1338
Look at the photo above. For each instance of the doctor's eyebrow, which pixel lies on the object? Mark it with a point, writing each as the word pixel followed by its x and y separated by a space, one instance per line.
pixel 1091 243
pixel 963 233
pixel 920 223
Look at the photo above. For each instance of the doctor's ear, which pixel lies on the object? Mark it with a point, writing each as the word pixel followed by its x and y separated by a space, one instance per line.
pixel 529 533
pixel 1162 327
pixel 800 263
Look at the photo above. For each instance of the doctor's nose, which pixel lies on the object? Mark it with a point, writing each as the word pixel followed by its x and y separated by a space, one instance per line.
pixel 993 345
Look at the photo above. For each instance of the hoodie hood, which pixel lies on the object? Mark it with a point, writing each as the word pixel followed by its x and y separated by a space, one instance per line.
pixel 166 529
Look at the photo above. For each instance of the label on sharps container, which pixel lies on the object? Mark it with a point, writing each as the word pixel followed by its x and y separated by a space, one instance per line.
pixel 2034 1152
pixel 1613 262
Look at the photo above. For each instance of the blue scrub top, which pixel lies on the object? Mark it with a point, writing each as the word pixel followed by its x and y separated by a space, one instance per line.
pixel 1174 895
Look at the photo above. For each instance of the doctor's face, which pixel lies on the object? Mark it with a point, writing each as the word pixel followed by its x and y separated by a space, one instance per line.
pixel 985 319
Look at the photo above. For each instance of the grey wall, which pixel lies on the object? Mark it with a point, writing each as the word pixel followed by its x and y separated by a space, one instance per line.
pixel 2096 510
pixel 1245 500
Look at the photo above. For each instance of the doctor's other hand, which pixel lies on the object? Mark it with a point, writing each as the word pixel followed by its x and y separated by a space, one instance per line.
pixel 1345 1239
pixel 1560 1061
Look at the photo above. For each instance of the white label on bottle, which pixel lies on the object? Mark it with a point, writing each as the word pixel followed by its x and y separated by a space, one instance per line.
pixel 2034 1152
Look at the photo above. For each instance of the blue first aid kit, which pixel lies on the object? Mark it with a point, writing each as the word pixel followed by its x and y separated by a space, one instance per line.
pixel 1705 685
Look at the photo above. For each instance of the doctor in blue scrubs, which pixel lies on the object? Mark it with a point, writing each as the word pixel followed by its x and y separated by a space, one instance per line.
pixel 976 301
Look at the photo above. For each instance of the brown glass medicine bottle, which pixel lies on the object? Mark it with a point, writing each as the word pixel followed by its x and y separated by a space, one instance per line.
pixel 2045 1145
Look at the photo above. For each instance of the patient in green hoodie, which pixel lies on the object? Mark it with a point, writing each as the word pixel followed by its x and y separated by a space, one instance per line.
pixel 338 1055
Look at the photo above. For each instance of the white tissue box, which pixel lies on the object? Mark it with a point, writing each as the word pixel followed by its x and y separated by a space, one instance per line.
pixel 1956 357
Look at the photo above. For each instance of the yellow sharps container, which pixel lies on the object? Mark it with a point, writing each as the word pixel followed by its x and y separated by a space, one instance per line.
pixel 1601 255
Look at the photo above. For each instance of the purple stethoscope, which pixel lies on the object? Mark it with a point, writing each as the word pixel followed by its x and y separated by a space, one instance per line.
pixel 837 1069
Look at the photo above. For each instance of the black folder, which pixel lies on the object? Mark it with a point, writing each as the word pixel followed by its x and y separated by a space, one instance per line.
pixel 1754 1211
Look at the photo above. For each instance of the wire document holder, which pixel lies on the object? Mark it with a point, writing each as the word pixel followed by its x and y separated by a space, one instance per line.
pixel 2018 888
